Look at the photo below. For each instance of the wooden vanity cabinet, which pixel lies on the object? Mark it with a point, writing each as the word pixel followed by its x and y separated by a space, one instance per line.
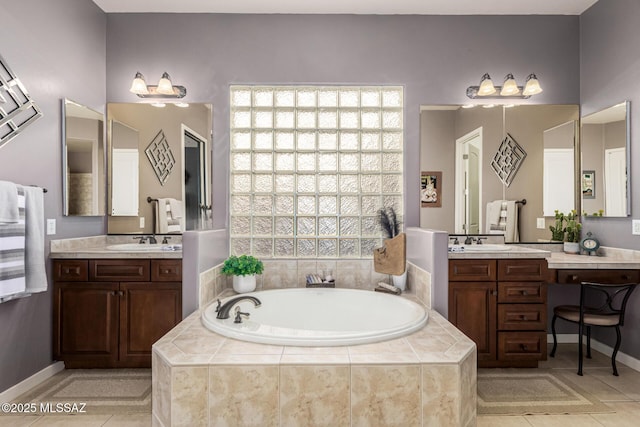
pixel 502 306
pixel 108 313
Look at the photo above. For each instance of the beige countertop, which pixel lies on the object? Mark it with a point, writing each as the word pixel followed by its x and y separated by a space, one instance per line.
pixel 607 258
pixel 514 252
pixel 95 247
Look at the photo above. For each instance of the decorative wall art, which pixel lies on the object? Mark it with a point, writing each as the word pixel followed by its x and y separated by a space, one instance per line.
pixel 589 184
pixel 431 189
pixel 508 160
pixel 161 157
pixel 17 110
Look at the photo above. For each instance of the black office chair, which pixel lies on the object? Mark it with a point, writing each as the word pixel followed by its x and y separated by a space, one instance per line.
pixel 600 305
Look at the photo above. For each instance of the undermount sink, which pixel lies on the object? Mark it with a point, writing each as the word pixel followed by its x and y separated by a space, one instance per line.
pixel 137 247
pixel 479 248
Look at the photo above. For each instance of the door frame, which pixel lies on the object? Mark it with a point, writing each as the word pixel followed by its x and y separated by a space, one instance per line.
pixel 461 179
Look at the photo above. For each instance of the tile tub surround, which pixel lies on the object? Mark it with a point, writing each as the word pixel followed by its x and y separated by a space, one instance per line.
pixel 278 274
pixel 203 379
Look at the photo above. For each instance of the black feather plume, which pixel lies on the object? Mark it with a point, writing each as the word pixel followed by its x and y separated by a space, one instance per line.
pixel 388 222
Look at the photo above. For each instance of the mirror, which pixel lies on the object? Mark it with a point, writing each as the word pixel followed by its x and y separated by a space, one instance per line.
pixel 558 176
pixel 160 168
pixel 605 160
pixel 469 146
pixel 83 160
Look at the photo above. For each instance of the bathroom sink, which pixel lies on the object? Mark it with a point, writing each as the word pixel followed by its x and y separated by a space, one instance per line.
pixel 137 247
pixel 479 248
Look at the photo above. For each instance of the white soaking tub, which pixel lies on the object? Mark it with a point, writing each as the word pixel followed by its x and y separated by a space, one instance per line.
pixel 319 317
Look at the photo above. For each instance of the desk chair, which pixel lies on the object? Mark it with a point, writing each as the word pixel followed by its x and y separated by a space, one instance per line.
pixel 600 305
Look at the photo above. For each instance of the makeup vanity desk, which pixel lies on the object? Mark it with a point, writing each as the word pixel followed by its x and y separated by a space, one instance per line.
pixel 612 265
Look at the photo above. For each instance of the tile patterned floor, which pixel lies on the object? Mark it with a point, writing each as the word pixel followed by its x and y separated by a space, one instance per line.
pixel 621 393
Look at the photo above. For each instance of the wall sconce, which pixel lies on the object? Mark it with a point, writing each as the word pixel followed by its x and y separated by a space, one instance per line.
pixel 509 89
pixel 164 89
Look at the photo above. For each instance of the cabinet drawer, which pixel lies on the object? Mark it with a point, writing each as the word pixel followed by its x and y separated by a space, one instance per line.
pixel 522 292
pixel 522 317
pixel 132 270
pixel 472 270
pixel 76 270
pixel 522 345
pixel 601 276
pixel 522 269
pixel 166 270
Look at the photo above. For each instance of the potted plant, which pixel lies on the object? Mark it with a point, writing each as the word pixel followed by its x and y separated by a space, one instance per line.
pixel 571 245
pixel 558 230
pixel 243 268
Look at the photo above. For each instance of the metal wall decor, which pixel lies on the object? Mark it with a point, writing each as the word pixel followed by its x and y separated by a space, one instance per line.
pixel 508 160
pixel 17 110
pixel 160 157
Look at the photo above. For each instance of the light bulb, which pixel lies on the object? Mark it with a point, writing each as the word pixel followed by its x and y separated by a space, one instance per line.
pixel 486 86
pixel 532 87
pixel 165 87
pixel 139 86
pixel 510 87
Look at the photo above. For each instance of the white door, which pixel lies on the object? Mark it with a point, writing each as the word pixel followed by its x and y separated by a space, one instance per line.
pixel 557 169
pixel 468 183
pixel 615 182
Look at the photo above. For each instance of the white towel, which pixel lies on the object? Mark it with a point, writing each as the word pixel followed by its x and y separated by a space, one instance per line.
pixel 35 272
pixel 176 208
pixel 493 215
pixel 511 233
pixel 12 253
pixel 8 203
pixel 162 224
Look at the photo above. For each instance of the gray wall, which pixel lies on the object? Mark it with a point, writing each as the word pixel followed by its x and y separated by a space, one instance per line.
pixel 57 49
pixel 609 66
pixel 434 57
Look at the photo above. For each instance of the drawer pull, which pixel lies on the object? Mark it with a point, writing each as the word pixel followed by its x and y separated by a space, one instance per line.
pixel 523 347
pixel 523 317
pixel 524 292
pixel 494 293
pixel 625 277
pixel 574 277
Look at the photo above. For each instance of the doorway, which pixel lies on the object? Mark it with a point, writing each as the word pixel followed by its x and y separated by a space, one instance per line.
pixel 615 179
pixel 194 179
pixel 468 182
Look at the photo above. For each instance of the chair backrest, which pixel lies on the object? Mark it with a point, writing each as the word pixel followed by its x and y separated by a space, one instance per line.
pixel 605 299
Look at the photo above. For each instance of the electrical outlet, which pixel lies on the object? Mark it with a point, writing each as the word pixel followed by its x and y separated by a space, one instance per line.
pixel 141 222
pixel 635 226
pixel 51 226
pixel 540 223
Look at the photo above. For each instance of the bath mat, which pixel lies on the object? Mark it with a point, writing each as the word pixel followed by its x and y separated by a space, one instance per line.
pixel 540 391
pixel 92 392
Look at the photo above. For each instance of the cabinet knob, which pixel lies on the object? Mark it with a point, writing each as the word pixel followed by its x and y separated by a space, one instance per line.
pixel 523 347
pixel 494 293
pixel 524 292
pixel 523 317
pixel 574 277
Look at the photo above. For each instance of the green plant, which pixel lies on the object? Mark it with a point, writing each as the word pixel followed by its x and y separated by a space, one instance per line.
pixel 557 230
pixel 243 265
pixel 573 227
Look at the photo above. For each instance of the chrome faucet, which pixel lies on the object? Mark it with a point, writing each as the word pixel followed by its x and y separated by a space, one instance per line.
pixel 224 309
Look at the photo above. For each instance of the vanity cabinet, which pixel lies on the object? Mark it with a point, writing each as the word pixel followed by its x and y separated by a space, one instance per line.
pixel 501 304
pixel 108 313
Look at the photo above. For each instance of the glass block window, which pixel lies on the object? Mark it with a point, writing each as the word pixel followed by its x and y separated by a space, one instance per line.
pixel 310 168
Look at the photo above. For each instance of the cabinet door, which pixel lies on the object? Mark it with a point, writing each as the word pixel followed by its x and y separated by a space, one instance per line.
pixel 86 324
pixel 147 312
pixel 472 309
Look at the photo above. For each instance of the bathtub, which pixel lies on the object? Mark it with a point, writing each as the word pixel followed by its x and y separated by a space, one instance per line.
pixel 320 317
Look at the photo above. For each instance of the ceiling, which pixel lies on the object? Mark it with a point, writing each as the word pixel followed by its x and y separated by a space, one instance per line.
pixel 376 7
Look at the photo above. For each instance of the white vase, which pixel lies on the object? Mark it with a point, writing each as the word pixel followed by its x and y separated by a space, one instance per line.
pixel 243 284
pixel 571 248
pixel 400 281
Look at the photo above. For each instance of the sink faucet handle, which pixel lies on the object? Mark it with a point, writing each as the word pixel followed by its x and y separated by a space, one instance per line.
pixel 480 239
pixel 142 239
pixel 455 240
pixel 239 315
pixel 165 240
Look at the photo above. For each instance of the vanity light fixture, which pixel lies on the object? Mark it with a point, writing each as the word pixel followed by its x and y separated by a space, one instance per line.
pixel 164 89
pixel 509 89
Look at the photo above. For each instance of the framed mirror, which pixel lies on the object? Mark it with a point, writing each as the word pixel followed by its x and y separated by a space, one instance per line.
pixel 83 160
pixel 160 168
pixel 605 162
pixel 465 144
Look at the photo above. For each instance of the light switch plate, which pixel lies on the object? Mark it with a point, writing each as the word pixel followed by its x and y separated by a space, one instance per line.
pixel 635 226
pixel 51 226
pixel 540 223
pixel 141 222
